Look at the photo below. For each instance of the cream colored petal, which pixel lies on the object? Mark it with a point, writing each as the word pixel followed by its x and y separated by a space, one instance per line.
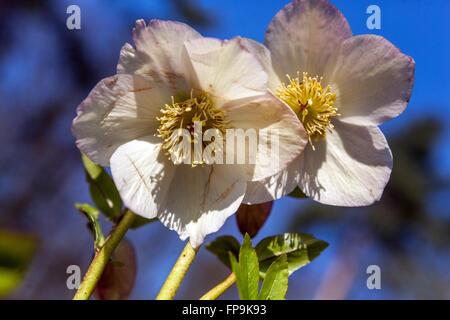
pixel 351 168
pixel 280 137
pixel 192 201
pixel 159 53
pixel 119 109
pixel 372 78
pixel 133 62
pixel 201 199
pixel 273 187
pixel 303 35
pixel 226 69
pixel 143 175
pixel 262 53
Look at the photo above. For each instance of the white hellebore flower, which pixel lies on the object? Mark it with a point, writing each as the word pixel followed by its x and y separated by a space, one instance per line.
pixel 172 80
pixel 341 87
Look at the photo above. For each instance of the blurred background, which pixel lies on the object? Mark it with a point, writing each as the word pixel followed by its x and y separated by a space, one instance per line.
pixel 46 70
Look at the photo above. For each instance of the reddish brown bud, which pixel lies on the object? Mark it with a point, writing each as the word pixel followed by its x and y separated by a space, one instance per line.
pixel 118 279
pixel 251 218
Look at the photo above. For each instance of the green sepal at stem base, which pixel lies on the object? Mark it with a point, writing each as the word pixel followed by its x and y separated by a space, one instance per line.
pixel 221 248
pixel 246 270
pixel 300 249
pixel 103 190
pixel 16 252
pixel 91 214
pixel 275 284
pixel 298 194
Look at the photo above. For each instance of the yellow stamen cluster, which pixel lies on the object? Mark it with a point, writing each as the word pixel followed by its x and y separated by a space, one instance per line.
pixel 313 105
pixel 187 114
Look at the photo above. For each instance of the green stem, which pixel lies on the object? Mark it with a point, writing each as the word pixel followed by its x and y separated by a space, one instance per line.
pixel 217 291
pixel 101 259
pixel 173 281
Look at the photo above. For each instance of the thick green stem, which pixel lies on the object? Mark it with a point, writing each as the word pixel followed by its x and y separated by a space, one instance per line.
pixel 217 291
pixel 173 281
pixel 101 259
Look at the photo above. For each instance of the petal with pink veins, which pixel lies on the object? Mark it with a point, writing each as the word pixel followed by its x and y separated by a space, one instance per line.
pixel 119 109
pixel 372 79
pixel 303 35
pixel 350 168
pixel 159 53
pixel 225 69
pixel 280 135
pixel 193 201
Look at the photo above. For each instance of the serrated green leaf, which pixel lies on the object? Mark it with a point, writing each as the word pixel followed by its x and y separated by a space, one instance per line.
pixel 297 193
pixel 91 214
pixel 234 265
pixel 16 251
pixel 249 268
pixel 300 249
pixel 102 189
pixel 275 283
pixel 221 246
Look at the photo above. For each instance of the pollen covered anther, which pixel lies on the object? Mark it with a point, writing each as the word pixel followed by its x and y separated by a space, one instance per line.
pixel 188 115
pixel 313 104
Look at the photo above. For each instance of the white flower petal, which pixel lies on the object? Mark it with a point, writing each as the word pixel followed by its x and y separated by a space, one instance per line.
pixel 351 168
pixel 132 61
pixel 303 35
pixel 273 187
pixel 160 53
pixel 372 78
pixel 143 175
pixel 201 199
pixel 225 69
pixel 192 201
pixel 267 117
pixel 119 109
pixel 263 55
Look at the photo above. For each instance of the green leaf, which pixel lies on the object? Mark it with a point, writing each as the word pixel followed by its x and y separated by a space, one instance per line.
pixel 91 214
pixel 300 249
pixel 240 281
pixel 222 246
pixel 141 221
pixel 16 251
pixel 248 261
pixel 102 189
pixel 247 271
pixel 275 283
pixel 297 193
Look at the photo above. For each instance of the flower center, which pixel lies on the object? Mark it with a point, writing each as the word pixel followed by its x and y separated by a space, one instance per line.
pixel 313 105
pixel 193 116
